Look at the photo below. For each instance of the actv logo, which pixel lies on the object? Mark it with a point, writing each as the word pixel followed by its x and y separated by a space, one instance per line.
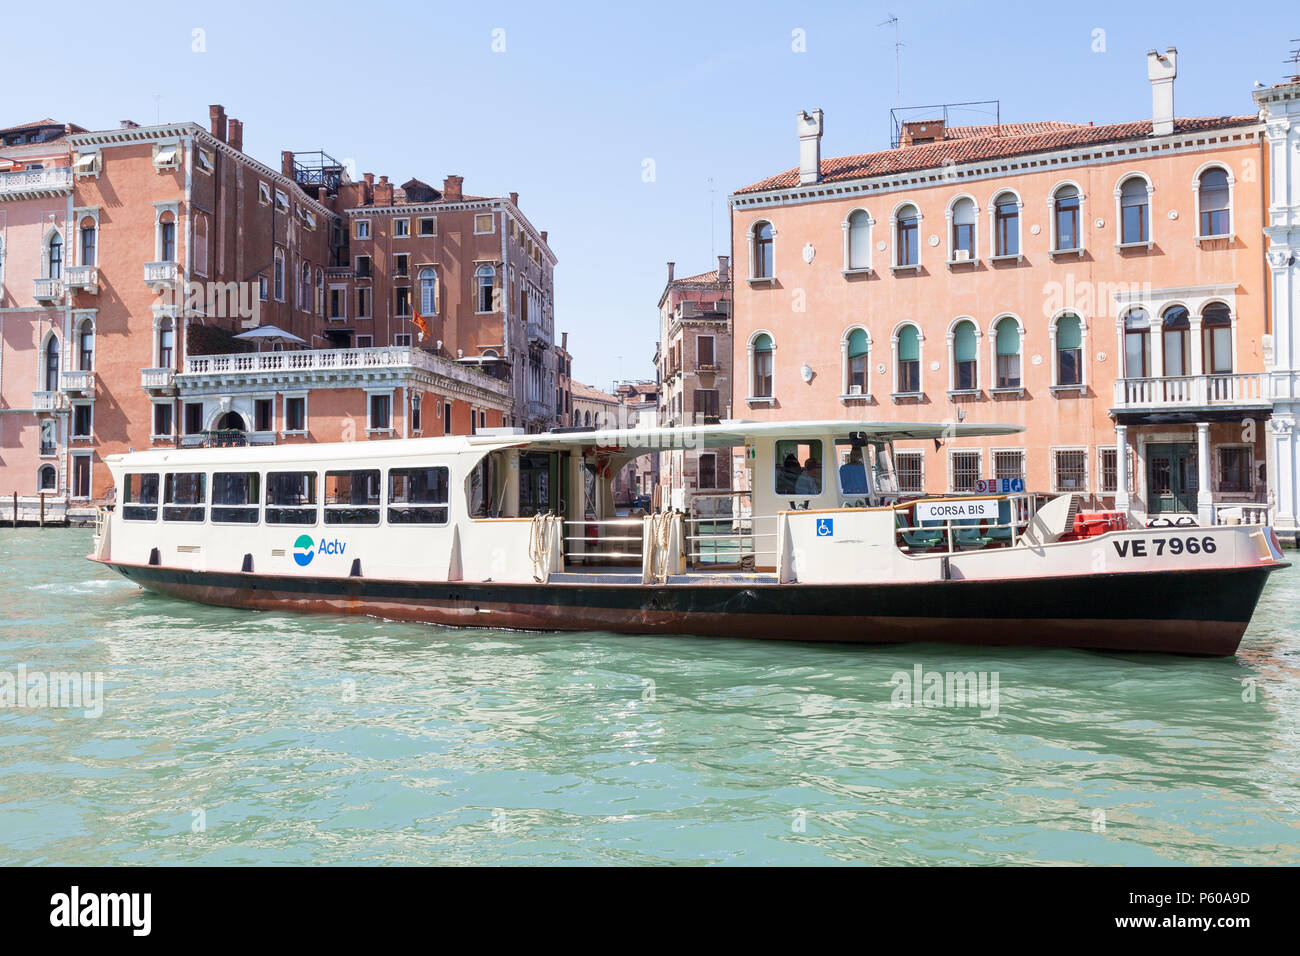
pixel 304 549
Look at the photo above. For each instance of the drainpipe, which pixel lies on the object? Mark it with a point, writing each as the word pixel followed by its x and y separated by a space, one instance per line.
pixel 505 312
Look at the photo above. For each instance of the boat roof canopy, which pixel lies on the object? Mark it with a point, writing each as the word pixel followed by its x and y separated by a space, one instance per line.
pixel 630 442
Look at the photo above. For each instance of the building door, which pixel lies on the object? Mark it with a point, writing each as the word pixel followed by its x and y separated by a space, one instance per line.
pixel 1172 478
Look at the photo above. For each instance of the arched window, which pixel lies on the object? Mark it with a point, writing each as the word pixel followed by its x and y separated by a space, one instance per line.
pixel 577 417
pixel 1176 344
pixel 46 478
pixel 320 291
pixel 1006 225
pixel 428 292
pixel 486 276
pixel 963 229
pixel 52 364
pixel 907 239
pixel 1216 334
pixel 54 257
pixel 304 288
pixel 277 282
pixel 201 244
pixel 1007 346
pixel 1065 210
pixel 761 377
pixel 855 357
pixel 167 237
pixel 1215 202
pixel 588 418
pixel 166 343
pixel 859 240
pixel 1137 344
pixel 964 357
pixel 909 360
pixel 762 242
pixel 86 346
pixel 1069 350
pixel 1134 210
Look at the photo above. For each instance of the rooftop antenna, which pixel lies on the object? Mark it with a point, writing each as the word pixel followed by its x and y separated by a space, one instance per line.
pixel 898 69
pixel 1294 60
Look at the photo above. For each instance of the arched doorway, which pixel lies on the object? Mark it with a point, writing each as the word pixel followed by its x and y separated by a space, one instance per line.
pixel 229 430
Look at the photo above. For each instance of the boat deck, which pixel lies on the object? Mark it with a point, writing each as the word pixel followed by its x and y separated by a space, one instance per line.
pixel 623 576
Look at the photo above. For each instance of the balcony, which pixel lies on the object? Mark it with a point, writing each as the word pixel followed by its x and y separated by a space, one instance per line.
pixel 47 401
pixel 47 290
pixel 536 332
pixel 34 183
pixel 161 275
pixel 158 381
pixel 1224 390
pixel 538 411
pixel 84 279
pixel 78 383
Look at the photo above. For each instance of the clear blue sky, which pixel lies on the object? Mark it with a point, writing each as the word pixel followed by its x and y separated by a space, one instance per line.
pixel 582 95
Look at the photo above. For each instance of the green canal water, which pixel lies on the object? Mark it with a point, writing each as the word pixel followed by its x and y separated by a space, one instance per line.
pixel 235 737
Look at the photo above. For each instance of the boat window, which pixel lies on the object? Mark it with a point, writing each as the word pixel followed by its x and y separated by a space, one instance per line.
pixel 799 467
pixel 536 470
pixel 487 487
pixel 140 498
pixel 291 497
pixel 184 495
pixel 418 495
pixel 235 497
pixel 352 497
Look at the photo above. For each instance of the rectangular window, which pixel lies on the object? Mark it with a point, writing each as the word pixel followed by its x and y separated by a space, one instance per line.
pixel 162 420
pixel 363 303
pixel 418 495
pixel 380 407
pixel 295 414
pixel 364 342
pixel 909 466
pixel 909 251
pixel 1235 467
pixel 88 237
pixel 402 340
pixel 401 228
pixel 193 418
pixel 964 375
pixel 336 303
pixel 708 470
pixel 401 265
pixel 704 350
pixel 361 229
pixel 798 467
pixel 429 227
pixel 446 418
pixel 263 290
pixel 167 242
pixel 1071 470
pixel 965 470
pixel 415 412
pixel 1008 371
pixel 264 194
pixel 235 497
pixel 281 202
pixel 482 223
pixel 706 405
pixel 291 497
pixel 402 302
pixel 140 498
pixel 81 476
pixel 352 497
pixel 1009 464
pixel 264 415
pixel 81 421
pixel 184 494
pixel 363 267
pixel 1109 470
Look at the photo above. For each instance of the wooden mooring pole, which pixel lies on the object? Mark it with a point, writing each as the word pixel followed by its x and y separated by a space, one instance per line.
pixel 15 509
pixel 42 509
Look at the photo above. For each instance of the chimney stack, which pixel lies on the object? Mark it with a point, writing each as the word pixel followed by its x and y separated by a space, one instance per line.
pixel 544 237
pixel 286 162
pixel 1161 70
pixel 514 199
pixel 671 267
pixel 809 126
pixel 384 192
pixel 724 268
pixel 217 121
pixel 236 139
pixel 451 188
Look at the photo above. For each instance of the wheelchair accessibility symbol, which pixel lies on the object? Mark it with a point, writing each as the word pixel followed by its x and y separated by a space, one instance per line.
pixel 825 527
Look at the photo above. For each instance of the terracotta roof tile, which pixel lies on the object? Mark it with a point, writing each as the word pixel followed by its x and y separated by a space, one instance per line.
pixel 962 148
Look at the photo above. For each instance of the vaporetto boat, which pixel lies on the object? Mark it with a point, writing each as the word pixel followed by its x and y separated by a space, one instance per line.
pixel 505 530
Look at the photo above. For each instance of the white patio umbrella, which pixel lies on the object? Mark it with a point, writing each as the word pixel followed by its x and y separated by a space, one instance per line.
pixel 270 333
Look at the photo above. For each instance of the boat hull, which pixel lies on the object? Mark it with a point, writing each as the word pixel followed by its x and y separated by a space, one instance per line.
pixel 1197 611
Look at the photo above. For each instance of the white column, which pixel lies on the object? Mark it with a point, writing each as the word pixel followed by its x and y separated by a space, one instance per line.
pixel 1121 469
pixel 1204 500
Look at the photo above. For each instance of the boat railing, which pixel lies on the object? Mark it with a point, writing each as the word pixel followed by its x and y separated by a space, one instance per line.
pixel 610 539
pixel 721 531
pixel 954 534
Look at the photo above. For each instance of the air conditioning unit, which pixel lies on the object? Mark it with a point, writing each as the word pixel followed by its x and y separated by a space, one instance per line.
pixel 855 389
pixel 961 255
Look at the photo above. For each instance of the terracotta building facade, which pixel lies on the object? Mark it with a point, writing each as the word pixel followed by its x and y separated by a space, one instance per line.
pixel 1101 285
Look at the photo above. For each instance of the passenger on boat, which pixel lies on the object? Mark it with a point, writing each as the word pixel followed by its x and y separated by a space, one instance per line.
pixel 853 477
pixel 810 482
pixel 787 479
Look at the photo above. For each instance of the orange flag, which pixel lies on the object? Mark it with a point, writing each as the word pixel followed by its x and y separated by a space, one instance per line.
pixel 421 323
